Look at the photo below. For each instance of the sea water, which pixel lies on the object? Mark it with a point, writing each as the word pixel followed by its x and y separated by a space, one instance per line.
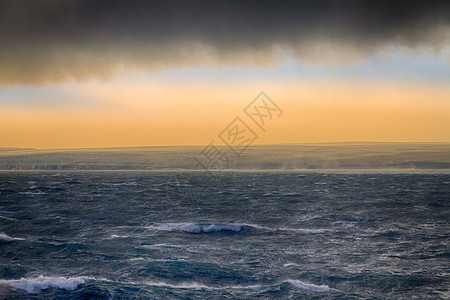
pixel 234 235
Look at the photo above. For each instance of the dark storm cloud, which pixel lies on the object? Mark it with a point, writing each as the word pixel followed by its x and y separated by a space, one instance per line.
pixel 48 41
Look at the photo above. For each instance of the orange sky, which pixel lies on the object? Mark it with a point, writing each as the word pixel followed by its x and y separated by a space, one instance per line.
pixel 166 112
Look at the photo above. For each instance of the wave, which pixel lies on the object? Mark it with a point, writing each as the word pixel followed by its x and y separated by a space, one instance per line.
pixel 191 286
pixel 35 285
pixel 117 236
pixel 230 227
pixel 309 286
pixel 198 286
pixel 293 194
pixel 38 192
pixel 9 219
pixel 305 231
pixel 345 224
pixel 290 264
pixel 5 237
pixel 157 246
pixel 197 228
pixel 134 183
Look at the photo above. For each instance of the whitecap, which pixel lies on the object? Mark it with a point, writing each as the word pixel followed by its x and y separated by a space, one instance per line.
pixel 8 238
pixel 233 227
pixel 309 286
pixel 34 285
pixel 196 228
pixel 136 258
pixel 117 236
pixel 290 264
pixel 156 246
pixel 38 192
pixel 191 286
pixel 199 286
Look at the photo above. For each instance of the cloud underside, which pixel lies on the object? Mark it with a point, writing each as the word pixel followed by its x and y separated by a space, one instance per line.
pixel 52 41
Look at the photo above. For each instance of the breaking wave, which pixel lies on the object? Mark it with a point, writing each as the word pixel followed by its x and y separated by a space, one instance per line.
pixel 228 227
pixel 309 286
pixel 198 286
pixel 35 285
pixel 197 228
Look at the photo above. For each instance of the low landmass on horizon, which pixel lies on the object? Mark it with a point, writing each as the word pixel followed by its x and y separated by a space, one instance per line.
pixel 377 156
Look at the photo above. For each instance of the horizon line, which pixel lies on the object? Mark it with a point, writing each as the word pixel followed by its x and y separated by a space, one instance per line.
pixel 224 145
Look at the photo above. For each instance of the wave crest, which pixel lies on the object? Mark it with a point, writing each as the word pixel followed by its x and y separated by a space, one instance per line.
pixel 5 237
pixel 197 228
pixel 198 286
pixel 309 286
pixel 34 285
pixel 230 227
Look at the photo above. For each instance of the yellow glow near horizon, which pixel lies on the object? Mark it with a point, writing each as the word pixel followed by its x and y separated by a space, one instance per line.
pixel 190 113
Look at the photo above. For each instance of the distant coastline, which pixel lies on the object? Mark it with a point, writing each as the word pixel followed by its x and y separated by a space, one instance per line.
pixel 338 157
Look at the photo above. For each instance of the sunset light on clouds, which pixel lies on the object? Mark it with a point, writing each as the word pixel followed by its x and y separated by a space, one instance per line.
pixel 104 74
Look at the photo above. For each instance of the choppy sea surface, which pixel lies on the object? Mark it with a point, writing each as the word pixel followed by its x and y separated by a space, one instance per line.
pixel 150 235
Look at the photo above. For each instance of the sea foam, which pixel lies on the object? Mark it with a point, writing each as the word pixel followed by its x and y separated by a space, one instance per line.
pixel 35 285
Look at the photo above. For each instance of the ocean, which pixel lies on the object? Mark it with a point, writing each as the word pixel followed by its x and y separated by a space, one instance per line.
pixel 229 235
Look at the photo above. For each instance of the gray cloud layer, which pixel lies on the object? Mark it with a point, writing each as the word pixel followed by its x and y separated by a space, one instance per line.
pixel 45 41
